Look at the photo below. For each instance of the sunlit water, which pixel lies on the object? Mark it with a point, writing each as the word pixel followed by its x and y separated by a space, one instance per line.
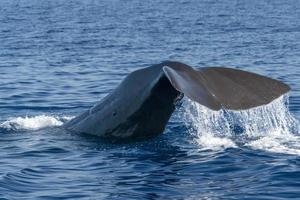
pixel 57 58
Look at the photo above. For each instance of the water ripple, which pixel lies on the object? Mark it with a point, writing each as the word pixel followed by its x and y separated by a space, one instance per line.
pixel 58 58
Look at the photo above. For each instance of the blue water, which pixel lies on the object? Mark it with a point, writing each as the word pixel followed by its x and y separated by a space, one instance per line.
pixel 59 57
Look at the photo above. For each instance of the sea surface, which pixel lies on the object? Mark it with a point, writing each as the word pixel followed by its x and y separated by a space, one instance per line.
pixel 59 57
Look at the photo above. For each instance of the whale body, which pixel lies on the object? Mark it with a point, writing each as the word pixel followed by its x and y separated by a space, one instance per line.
pixel 142 104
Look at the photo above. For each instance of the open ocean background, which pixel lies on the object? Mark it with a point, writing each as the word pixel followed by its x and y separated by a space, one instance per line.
pixel 59 57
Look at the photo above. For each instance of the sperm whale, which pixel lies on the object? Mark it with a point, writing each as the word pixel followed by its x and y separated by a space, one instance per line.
pixel 142 104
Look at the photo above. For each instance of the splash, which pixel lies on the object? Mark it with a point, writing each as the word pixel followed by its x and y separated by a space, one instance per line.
pixel 270 127
pixel 210 128
pixel 33 123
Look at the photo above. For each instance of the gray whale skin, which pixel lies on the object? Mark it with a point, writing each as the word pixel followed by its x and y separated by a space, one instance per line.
pixel 142 104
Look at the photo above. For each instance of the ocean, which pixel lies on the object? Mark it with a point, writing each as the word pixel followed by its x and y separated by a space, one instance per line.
pixel 59 57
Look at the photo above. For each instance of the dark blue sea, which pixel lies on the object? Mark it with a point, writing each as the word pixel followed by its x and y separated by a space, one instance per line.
pixel 59 57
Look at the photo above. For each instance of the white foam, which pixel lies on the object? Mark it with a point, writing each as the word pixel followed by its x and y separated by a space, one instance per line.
pixel 269 128
pixel 286 144
pixel 211 142
pixel 34 123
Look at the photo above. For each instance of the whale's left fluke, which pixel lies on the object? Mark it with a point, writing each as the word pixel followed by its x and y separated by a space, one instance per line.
pixel 143 103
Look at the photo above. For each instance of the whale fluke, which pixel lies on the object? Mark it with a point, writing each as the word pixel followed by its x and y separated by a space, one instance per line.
pixel 219 87
pixel 144 101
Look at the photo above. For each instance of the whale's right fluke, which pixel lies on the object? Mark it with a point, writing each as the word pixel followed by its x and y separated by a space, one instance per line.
pixel 218 87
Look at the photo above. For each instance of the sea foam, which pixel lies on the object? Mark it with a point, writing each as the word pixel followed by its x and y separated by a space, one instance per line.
pixel 34 122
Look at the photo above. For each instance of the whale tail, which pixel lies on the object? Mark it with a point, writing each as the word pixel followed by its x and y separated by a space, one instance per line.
pixel 218 87
pixel 144 101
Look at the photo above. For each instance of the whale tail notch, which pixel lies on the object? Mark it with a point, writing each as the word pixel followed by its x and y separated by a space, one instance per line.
pixel 218 87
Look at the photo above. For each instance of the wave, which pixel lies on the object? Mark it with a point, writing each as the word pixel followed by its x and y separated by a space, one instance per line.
pixel 270 127
pixel 34 122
